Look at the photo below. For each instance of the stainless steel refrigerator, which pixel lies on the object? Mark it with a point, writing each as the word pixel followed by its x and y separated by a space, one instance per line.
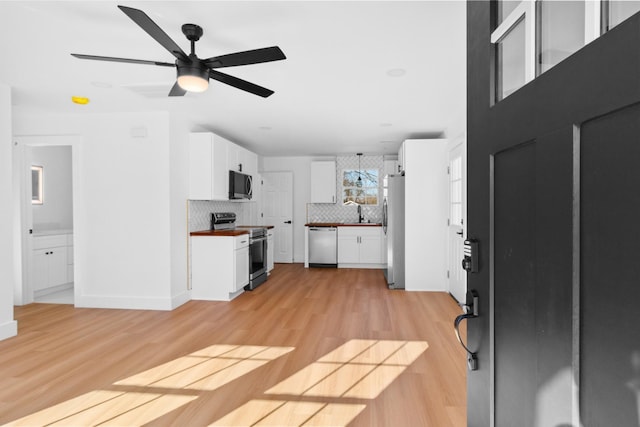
pixel 393 227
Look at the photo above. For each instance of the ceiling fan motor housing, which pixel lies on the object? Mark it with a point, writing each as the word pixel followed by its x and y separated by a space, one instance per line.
pixel 190 71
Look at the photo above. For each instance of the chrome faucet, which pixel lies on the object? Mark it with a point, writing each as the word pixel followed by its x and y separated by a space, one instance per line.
pixel 360 216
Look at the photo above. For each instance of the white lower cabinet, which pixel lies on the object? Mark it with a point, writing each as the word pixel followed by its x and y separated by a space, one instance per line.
pixel 241 262
pixel 360 246
pixel 219 266
pixel 50 262
pixel 270 249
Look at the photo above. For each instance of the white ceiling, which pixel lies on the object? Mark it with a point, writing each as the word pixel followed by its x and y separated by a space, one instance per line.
pixel 333 93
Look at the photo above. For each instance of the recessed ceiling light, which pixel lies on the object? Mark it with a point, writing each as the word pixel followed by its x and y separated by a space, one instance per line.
pixel 79 100
pixel 103 85
pixel 396 72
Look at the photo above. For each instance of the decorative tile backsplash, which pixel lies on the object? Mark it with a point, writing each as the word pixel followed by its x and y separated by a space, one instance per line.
pixel 200 212
pixel 329 212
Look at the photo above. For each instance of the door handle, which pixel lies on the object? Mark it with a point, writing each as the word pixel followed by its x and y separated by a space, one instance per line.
pixel 287 222
pixel 470 308
pixel 460 233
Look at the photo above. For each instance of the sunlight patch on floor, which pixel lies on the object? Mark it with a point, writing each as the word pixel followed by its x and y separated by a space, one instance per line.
pixel 289 414
pixel 359 369
pixel 104 406
pixel 205 369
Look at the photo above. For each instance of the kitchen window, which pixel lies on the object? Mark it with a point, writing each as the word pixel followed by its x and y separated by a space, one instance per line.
pixel 360 187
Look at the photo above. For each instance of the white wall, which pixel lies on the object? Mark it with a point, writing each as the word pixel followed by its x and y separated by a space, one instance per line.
pixel 301 168
pixel 426 195
pixel 8 326
pixel 122 207
pixel 179 188
pixel 56 211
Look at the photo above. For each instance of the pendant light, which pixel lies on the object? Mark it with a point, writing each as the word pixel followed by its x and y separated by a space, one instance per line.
pixel 359 183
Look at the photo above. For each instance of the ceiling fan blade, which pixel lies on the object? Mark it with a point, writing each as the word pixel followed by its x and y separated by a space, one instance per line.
pixel 176 90
pixel 143 20
pixel 240 84
pixel 255 56
pixel 131 61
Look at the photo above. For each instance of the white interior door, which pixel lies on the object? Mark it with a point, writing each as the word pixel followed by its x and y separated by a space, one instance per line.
pixel 277 202
pixel 457 199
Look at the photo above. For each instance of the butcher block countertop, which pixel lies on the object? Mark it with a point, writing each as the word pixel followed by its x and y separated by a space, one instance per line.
pixel 219 232
pixel 239 230
pixel 343 224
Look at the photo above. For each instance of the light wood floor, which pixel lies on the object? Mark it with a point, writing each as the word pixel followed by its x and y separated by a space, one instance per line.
pixel 309 347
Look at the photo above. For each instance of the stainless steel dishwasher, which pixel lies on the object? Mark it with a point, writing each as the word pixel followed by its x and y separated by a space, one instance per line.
pixel 323 247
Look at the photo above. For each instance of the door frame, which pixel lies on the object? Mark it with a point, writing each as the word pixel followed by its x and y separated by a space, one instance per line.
pixel 458 144
pixel 23 217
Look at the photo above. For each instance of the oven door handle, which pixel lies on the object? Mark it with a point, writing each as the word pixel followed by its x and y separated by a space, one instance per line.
pixel 258 239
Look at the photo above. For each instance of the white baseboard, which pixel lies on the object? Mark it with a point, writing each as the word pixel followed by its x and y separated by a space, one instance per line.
pixel 180 299
pixel 8 329
pixel 379 266
pixel 126 303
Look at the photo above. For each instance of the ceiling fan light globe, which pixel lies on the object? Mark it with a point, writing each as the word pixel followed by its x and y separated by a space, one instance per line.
pixel 193 83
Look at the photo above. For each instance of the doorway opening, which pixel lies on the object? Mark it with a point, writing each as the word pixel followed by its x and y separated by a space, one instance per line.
pixel 44 185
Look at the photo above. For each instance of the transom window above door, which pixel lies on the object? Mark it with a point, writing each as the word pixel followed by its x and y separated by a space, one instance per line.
pixel 532 36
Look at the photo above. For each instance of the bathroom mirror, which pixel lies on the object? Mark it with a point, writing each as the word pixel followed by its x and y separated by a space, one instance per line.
pixel 36 185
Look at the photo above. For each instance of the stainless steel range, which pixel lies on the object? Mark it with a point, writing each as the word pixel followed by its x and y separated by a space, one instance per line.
pixel 257 246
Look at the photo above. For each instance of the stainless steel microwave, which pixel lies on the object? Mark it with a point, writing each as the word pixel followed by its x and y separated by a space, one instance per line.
pixel 240 185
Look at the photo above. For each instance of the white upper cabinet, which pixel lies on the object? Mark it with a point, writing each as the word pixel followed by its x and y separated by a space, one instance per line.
pixel 242 160
pixel 249 162
pixel 233 157
pixel 211 157
pixel 208 173
pixel 323 182
pixel 390 168
pixel 401 158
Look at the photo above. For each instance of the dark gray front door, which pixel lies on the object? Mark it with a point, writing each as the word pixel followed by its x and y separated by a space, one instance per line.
pixel 532 286
pixel 610 270
pixel 554 202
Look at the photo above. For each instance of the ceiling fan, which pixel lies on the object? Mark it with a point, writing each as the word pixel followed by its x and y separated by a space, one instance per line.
pixel 194 73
